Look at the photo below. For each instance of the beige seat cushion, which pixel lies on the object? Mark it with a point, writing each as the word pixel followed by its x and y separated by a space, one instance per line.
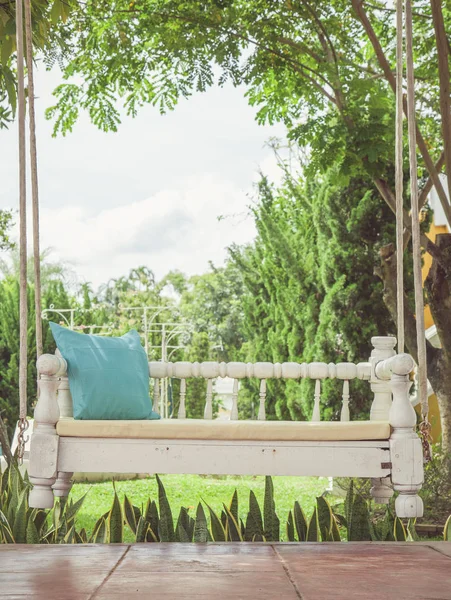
pixel 199 429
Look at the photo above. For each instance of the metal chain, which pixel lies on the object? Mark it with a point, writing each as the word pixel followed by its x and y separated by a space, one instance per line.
pixel 23 424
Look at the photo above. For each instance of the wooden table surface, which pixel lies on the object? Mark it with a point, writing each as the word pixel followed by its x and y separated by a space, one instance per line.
pixel 308 571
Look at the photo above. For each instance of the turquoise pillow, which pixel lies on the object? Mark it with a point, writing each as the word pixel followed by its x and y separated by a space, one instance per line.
pixel 108 376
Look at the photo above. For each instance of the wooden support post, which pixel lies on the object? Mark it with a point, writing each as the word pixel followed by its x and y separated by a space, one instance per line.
pixel 62 485
pixel 44 441
pixel 383 349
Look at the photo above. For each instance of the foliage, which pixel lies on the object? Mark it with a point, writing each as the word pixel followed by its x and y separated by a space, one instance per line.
pixel 21 524
pixel 49 43
pixel 307 286
pixel 152 522
pixel 436 491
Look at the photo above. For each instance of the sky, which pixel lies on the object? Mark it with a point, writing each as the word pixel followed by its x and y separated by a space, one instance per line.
pixel 150 194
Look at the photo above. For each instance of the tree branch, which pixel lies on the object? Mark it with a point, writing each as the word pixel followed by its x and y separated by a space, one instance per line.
pixel 383 62
pixel 445 87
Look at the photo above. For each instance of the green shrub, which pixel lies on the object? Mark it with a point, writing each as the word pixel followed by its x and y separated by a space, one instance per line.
pixel 154 522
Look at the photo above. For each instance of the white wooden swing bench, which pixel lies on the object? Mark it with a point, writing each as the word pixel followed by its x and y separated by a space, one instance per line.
pixel 385 448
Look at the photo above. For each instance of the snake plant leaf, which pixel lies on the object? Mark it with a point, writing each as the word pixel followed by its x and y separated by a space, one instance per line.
pixel 69 538
pixel 73 508
pixel 233 530
pixel 83 536
pixel 412 535
pixel 32 536
pixel 181 534
pixel 151 535
pixel 185 522
pixel 142 528
pixel 217 529
pixel 447 530
pixel 223 519
pixel 77 538
pixel 325 518
pixel 115 522
pixel 335 532
pixel 300 522
pixel 272 522
pixel 152 518
pixel 100 535
pixel 20 521
pixel 129 514
pixel 313 534
pixel 233 506
pixel 359 529
pixel 399 531
pixel 6 529
pixel 166 524
pixel 200 526
pixel 348 504
pixel 242 528
pixel 254 510
pixel 290 527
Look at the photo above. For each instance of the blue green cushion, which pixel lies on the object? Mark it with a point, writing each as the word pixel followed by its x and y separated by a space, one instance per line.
pixel 108 377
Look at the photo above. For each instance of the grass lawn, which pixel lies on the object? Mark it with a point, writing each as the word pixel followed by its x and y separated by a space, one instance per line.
pixel 188 490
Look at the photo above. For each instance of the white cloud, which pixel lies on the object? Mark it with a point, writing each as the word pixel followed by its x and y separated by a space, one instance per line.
pixel 173 229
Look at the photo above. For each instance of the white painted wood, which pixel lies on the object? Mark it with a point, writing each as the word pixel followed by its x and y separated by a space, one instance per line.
pixel 64 398
pixel 208 413
pixel 383 347
pixel 260 370
pixel 234 411
pixel 182 409
pixel 345 402
pixel 262 395
pixel 340 459
pixel 62 485
pixel 44 441
pixel 156 396
pixel 316 416
pixel 382 490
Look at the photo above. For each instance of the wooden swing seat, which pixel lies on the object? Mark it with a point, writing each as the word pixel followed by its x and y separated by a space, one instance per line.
pixel 218 429
pixel 385 448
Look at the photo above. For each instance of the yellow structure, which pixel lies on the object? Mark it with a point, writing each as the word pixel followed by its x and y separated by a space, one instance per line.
pixel 439 225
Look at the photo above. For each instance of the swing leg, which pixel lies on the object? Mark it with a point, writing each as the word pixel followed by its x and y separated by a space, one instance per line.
pixel 62 485
pixel 41 496
pixel 382 490
pixel 407 475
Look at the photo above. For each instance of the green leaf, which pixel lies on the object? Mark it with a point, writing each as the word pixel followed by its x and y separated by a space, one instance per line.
pixel 233 507
pixel 447 530
pixel 313 533
pixel 216 527
pixel 272 522
pixel 73 508
pixel 153 519
pixel 325 518
pixel 20 521
pixel 129 514
pixel 200 526
pixel 399 531
pixel 233 530
pixel 359 529
pixel 290 528
pixel 32 536
pixel 115 522
pixel 141 530
pixel 166 524
pixel 100 533
pixel 300 522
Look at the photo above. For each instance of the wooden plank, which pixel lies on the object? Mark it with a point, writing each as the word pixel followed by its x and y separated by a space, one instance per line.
pixel 334 459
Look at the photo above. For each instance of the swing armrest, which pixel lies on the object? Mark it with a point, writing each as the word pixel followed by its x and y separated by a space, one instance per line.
pixel 51 365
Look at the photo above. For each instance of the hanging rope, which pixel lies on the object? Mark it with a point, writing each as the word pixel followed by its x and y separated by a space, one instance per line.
pixel 399 177
pixel 23 315
pixel 34 176
pixel 416 245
